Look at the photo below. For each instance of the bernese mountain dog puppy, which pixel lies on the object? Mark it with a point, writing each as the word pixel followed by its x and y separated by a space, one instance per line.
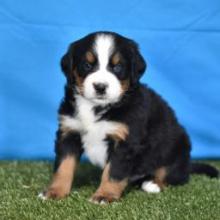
pixel 121 125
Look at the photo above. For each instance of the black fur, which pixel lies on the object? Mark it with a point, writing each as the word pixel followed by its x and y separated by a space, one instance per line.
pixel 200 168
pixel 156 139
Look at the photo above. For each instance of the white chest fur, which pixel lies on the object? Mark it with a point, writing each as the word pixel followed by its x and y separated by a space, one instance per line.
pixel 93 132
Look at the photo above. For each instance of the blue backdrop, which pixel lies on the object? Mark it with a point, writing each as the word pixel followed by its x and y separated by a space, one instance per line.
pixel 179 39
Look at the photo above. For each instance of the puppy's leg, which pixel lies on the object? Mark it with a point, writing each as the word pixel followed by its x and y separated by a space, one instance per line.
pixel 158 183
pixel 62 179
pixel 68 151
pixel 178 173
pixel 109 189
pixel 150 187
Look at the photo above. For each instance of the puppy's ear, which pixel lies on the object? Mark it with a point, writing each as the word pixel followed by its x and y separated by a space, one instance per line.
pixel 67 61
pixel 138 63
pixel 66 64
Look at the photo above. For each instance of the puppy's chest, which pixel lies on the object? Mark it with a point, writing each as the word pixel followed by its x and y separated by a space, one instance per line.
pixel 93 136
pixel 93 132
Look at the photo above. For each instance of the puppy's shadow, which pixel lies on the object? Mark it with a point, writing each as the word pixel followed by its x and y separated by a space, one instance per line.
pixel 87 175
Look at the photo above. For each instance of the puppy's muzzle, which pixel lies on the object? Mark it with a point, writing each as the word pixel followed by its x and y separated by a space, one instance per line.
pixel 100 88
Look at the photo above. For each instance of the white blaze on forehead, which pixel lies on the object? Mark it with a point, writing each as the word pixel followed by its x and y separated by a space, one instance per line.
pixel 103 46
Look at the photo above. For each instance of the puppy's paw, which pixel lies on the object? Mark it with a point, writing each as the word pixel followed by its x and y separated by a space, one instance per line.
pixel 103 198
pixel 42 196
pixel 150 187
pixel 53 193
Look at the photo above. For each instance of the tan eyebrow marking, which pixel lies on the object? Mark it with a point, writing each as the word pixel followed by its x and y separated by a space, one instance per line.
pixel 90 57
pixel 116 58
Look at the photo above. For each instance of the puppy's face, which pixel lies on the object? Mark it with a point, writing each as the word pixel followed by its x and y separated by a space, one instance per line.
pixel 103 66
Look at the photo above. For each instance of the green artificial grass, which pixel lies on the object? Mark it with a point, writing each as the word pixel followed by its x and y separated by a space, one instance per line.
pixel 20 182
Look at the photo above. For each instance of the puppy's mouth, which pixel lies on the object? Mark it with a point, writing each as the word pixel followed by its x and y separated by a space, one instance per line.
pixel 101 100
pixel 101 97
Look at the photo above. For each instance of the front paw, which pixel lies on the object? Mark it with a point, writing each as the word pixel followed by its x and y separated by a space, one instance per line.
pixel 53 193
pixel 103 198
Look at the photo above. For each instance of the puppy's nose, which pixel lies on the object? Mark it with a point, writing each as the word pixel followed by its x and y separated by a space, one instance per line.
pixel 100 88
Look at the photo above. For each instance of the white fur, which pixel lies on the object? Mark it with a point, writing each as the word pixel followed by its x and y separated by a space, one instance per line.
pixel 93 132
pixel 42 196
pixel 150 186
pixel 70 123
pixel 103 46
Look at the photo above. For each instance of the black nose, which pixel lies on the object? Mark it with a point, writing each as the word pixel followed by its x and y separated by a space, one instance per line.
pixel 100 88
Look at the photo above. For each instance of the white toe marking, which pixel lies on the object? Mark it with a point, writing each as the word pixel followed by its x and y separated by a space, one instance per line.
pixel 150 186
pixel 42 196
pixel 103 202
pixel 93 201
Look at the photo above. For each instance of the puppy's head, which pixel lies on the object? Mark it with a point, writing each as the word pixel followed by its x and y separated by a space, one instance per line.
pixel 102 66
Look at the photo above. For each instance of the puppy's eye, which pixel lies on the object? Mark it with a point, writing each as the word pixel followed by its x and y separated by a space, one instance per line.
pixel 117 68
pixel 87 66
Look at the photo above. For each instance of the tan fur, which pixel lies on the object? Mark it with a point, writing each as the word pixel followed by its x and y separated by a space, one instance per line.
pixel 79 81
pixel 116 59
pixel 62 179
pixel 90 57
pixel 121 132
pixel 160 176
pixel 125 85
pixel 65 130
pixel 109 190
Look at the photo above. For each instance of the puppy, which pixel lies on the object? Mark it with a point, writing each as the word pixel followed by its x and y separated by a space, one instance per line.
pixel 120 124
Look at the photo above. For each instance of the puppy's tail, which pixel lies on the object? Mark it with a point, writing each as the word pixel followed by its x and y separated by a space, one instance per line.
pixel 201 168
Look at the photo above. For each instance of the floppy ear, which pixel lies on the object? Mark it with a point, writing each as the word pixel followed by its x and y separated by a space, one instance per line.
pixel 138 64
pixel 67 61
pixel 66 64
